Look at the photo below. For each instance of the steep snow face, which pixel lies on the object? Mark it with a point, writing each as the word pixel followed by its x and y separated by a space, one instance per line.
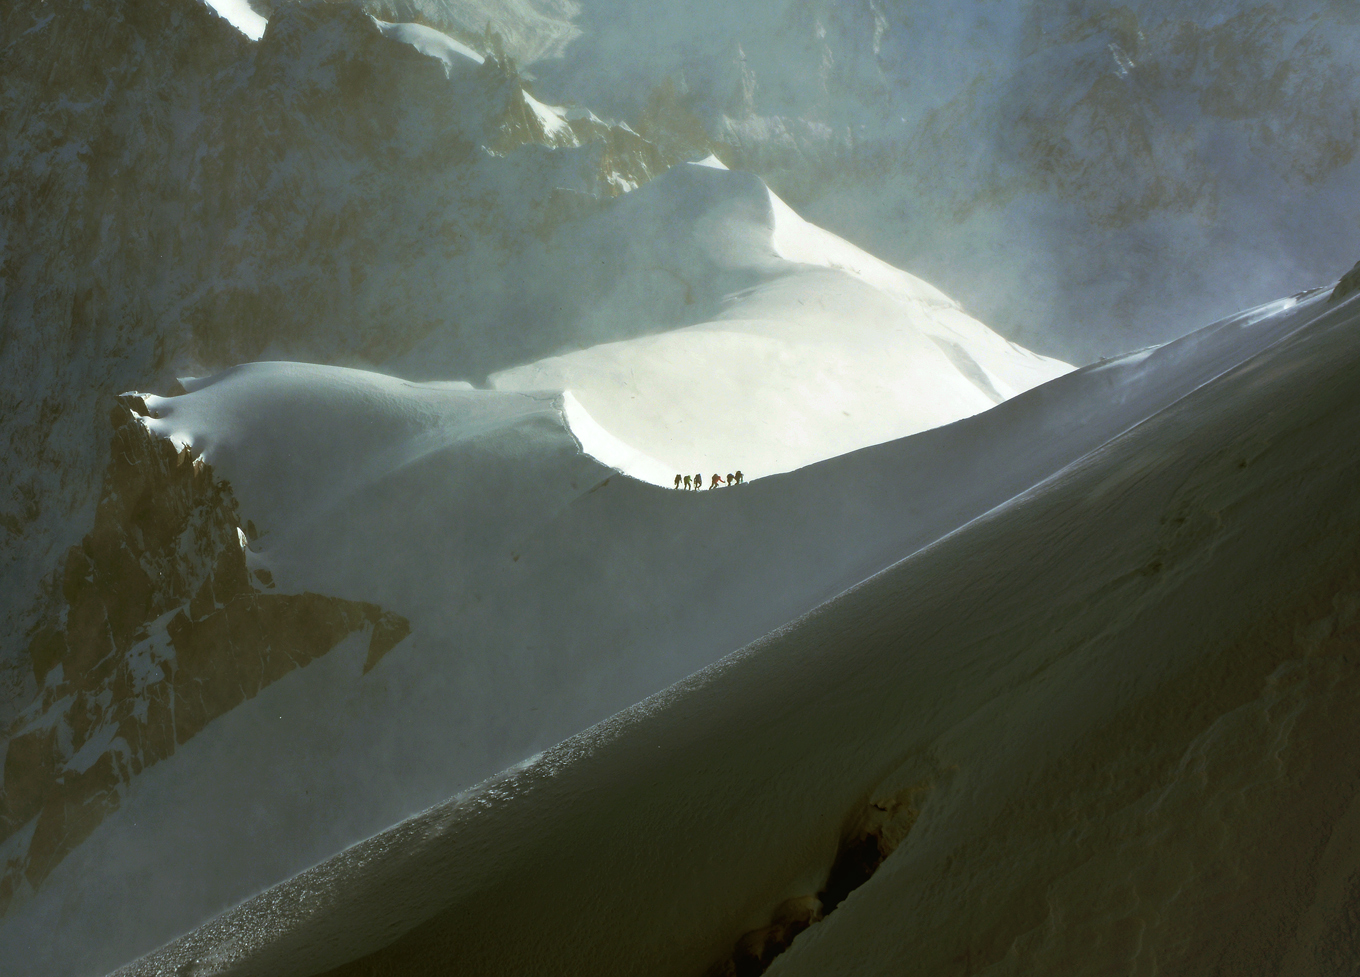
pixel 806 347
pixel 1096 729
pixel 543 592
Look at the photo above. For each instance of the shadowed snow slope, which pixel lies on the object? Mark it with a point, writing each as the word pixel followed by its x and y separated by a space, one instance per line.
pixel 798 345
pixel 544 593
pixel 1111 720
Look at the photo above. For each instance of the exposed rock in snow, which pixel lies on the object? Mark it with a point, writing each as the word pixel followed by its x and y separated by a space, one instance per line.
pixel 526 30
pixel 177 199
pixel 154 627
pixel 1348 286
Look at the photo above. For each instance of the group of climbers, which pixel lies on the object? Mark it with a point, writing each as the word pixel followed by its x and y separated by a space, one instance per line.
pixel 696 482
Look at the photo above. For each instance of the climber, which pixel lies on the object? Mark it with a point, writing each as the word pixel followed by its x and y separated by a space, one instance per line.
pixel 740 477
pixel 698 482
pixel 717 480
pixel 677 481
pixel 731 479
pixel 688 483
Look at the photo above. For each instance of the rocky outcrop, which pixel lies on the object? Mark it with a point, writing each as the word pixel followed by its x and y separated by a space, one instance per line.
pixel 1348 286
pixel 175 199
pixel 154 626
pixel 870 836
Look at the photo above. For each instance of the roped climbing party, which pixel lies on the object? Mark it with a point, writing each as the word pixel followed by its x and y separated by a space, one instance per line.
pixel 693 483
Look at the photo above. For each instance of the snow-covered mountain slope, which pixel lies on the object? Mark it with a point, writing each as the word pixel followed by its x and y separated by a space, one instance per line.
pixel 246 626
pixel 302 441
pixel 348 481
pixel 288 174
pixel 543 593
pixel 1106 726
pixel 798 346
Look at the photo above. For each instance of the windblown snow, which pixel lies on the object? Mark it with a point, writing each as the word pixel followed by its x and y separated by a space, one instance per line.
pixel 1075 751
pixel 805 347
pixel 544 591
pixel 1071 649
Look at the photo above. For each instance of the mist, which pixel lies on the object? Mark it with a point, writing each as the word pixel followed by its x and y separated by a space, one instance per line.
pixel 415 319
pixel 1086 178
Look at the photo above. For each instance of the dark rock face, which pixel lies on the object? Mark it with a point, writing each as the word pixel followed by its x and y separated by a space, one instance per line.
pixel 175 199
pixel 870 836
pixel 154 626
pixel 1349 284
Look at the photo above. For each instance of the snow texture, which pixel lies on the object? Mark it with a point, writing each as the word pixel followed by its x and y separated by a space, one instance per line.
pixel 545 593
pixel 1131 575
pixel 805 346
pixel 1120 703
